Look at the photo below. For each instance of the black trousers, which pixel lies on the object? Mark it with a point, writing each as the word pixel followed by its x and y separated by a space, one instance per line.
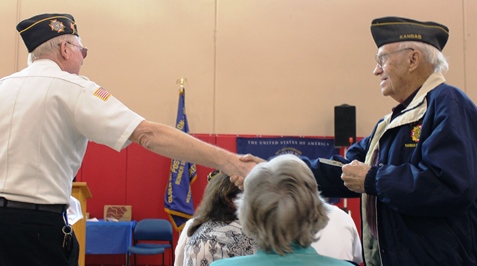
pixel 34 238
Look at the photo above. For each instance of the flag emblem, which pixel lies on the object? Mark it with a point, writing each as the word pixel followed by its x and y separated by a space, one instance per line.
pixel 102 94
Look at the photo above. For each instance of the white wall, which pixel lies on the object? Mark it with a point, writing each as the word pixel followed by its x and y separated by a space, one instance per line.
pixel 254 66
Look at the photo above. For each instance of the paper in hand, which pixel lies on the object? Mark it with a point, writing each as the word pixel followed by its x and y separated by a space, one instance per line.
pixel 330 162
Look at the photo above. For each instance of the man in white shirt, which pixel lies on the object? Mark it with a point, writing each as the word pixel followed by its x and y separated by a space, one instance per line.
pixel 48 115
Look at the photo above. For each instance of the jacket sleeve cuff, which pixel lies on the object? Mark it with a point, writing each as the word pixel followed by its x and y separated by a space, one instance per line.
pixel 370 181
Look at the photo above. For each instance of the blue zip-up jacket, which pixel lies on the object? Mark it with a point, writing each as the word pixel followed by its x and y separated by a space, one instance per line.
pixel 425 181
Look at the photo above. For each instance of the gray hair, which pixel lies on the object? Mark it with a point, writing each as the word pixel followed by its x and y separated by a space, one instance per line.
pixel 50 48
pixel 281 205
pixel 431 54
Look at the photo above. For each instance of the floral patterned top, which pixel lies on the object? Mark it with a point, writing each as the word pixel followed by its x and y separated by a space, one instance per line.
pixel 216 240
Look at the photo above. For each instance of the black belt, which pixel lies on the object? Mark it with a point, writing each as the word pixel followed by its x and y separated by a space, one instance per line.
pixel 56 208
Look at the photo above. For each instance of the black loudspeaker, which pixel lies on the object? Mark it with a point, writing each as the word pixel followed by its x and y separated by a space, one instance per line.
pixel 345 125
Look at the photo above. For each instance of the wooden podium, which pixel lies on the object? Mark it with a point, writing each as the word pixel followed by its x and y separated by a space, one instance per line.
pixel 81 192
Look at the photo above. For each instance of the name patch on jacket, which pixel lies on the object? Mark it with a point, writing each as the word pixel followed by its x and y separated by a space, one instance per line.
pixel 102 94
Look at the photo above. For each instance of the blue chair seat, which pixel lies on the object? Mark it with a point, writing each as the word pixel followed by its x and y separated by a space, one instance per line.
pixel 148 235
pixel 145 250
pixel 148 245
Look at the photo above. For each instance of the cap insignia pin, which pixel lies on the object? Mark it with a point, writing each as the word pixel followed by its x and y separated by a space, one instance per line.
pixel 57 26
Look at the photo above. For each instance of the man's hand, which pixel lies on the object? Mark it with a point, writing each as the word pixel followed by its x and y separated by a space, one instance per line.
pixel 238 180
pixel 250 158
pixel 354 174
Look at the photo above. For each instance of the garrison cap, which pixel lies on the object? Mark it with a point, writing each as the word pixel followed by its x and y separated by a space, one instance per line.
pixel 40 28
pixel 395 29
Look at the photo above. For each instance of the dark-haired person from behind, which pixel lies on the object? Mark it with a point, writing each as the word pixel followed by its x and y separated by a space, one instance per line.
pixel 214 232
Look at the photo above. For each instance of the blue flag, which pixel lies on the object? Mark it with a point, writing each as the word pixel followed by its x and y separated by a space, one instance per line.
pixel 178 197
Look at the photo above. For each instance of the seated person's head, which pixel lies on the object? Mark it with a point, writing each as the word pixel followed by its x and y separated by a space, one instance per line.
pixel 281 205
pixel 218 201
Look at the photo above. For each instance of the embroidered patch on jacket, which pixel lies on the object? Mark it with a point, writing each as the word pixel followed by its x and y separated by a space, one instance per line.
pixel 57 25
pixel 102 94
pixel 416 133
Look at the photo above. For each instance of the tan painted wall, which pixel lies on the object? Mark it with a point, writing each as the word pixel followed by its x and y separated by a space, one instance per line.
pixel 254 66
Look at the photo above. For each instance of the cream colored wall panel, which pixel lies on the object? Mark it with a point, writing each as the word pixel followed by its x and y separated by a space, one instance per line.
pixel 470 49
pixel 138 49
pixel 295 60
pixel 9 37
pixel 254 66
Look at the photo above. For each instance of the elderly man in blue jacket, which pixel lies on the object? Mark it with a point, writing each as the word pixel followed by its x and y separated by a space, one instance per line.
pixel 416 173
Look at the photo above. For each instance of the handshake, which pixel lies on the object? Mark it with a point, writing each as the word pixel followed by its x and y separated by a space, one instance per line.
pixel 353 174
pixel 238 180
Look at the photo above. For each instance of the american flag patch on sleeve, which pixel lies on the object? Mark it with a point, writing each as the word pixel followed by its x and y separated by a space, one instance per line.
pixel 102 94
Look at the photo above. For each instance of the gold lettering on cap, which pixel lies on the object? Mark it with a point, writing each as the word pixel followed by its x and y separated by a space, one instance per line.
pixel 410 36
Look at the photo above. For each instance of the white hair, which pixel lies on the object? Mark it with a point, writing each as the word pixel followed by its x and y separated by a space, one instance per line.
pixel 281 205
pixel 50 47
pixel 431 54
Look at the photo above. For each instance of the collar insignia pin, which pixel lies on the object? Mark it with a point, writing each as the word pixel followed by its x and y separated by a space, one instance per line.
pixel 416 133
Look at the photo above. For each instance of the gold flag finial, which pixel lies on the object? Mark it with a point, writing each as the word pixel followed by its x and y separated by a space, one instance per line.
pixel 181 82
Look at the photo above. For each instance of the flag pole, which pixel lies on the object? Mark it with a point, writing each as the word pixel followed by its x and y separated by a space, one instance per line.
pixel 178 201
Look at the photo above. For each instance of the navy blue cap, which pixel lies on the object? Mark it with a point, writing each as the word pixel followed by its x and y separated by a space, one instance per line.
pixel 40 28
pixel 395 29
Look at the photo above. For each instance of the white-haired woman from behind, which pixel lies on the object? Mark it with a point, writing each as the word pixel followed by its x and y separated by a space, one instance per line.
pixel 282 210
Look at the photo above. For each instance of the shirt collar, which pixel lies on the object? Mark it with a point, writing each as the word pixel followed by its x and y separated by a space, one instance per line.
pixel 397 109
pixel 297 249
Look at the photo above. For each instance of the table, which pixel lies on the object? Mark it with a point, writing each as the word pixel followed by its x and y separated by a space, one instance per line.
pixel 81 192
pixel 104 237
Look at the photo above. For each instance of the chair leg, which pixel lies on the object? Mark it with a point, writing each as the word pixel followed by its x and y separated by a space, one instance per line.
pixel 172 256
pixel 135 260
pixel 163 254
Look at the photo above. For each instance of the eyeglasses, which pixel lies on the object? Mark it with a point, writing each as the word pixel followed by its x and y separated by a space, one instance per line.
pixel 83 50
pixel 380 57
